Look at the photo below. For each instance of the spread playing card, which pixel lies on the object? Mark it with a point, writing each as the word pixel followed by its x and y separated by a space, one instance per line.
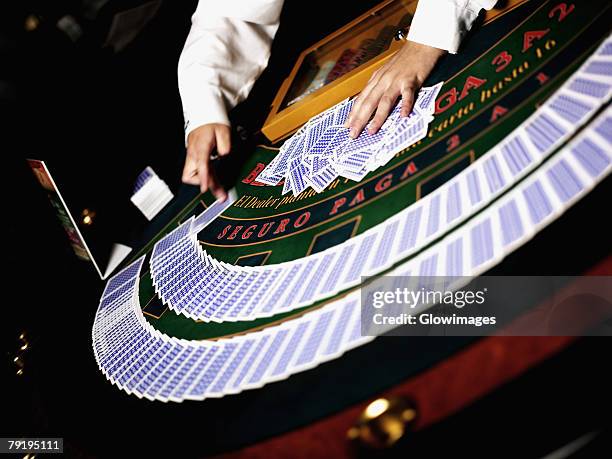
pixel 321 150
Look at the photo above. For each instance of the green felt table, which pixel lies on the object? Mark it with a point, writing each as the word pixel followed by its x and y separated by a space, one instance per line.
pixel 507 68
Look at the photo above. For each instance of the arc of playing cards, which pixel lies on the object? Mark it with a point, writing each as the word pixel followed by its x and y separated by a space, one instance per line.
pixel 322 150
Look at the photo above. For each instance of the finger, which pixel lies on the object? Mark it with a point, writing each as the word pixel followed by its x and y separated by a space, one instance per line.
pixel 354 109
pixel 362 116
pixel 203 168
pixel 190 170
pixel 382 112
pixel 374 75
pixel 215 188
pixel 407 101
pixel 203 165
pixel 197 143
pixel 363 95
pixel 369 87
pixel 222 135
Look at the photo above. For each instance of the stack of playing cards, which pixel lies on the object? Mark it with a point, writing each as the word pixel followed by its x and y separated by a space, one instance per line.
pixel 322 150
pixel 151 193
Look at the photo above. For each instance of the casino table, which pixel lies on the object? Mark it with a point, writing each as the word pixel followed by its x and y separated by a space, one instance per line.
pixel 507 69
pixel 263 227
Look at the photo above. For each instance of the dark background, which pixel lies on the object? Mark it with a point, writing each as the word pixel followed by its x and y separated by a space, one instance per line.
pixel 104 116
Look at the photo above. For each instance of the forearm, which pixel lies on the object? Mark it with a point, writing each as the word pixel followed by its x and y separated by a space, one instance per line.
pixel 225 52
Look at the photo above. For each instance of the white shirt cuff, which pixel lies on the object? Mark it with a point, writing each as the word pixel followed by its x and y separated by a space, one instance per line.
pixel 441 23
pixel 206 106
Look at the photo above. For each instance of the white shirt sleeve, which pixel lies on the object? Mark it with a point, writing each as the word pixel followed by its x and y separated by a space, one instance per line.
pixel 443 23
pixel 226 50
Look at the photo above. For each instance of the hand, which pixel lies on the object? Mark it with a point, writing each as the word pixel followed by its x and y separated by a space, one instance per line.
pixel 200 144
pixel 403 75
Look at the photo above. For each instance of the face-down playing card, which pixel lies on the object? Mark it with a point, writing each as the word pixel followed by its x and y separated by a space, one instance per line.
pixel 321 150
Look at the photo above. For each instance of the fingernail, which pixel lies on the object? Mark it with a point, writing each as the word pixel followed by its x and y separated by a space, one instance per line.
pixel 353 133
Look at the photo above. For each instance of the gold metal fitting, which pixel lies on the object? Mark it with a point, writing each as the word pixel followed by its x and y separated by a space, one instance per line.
pixel 383 422
pixel 31 23
pixel 88 216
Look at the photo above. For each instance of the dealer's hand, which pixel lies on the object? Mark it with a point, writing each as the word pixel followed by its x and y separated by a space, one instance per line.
pixel 403 75
pixel 200 144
